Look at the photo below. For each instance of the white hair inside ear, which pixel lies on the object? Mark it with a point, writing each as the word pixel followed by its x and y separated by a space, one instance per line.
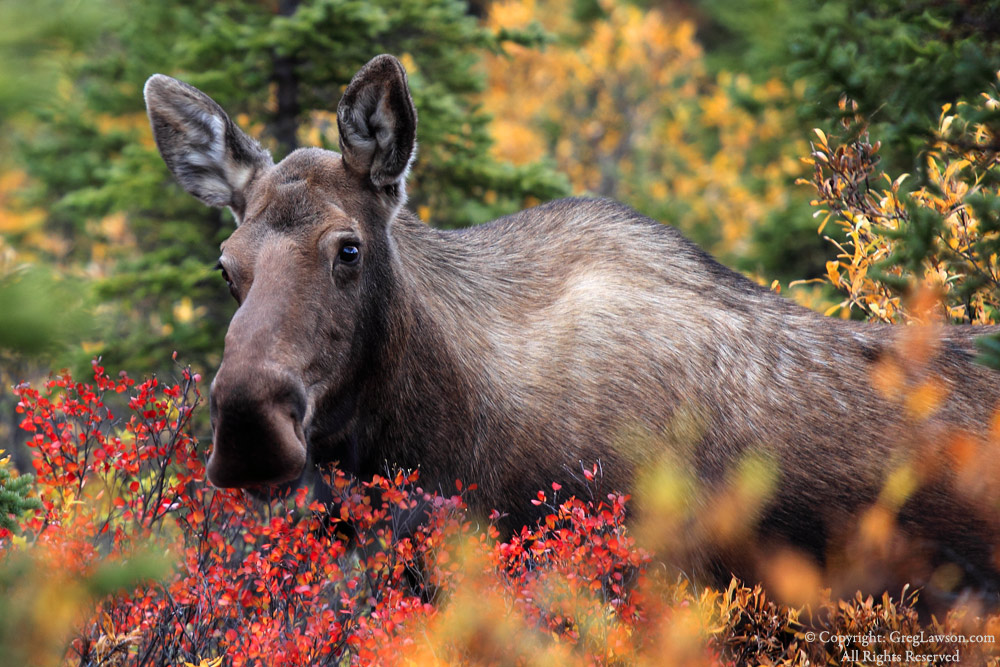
pixel 207 153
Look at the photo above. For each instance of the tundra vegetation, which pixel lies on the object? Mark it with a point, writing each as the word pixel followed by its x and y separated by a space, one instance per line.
pixel 133 559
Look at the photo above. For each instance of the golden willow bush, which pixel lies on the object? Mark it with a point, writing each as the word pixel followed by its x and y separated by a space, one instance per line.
pixel 940 237
pixel 627 109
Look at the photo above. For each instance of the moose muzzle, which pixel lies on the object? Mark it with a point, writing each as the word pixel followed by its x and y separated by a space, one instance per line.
pixel 257 429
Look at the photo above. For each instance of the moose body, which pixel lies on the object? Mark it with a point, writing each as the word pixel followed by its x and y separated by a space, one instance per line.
pixel 510 353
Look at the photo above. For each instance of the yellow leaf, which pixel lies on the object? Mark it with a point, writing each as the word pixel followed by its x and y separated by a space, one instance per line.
pixel 107 624
pixel 900 485
pixel 946 124
pixel 832 309
pixel 205 662
pixel 953 167
pixel 833 272
pixel 825 220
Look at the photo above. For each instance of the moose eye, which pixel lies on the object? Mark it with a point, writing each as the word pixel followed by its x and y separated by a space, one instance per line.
pixel 349 254
pixel 229 281
pixel 225 274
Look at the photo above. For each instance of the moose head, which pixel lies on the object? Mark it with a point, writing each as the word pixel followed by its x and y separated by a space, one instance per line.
pixel 306 264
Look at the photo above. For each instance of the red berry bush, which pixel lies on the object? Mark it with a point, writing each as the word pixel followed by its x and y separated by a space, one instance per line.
pixel 285 582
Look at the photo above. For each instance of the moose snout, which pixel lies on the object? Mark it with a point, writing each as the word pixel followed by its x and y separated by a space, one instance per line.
pixel 257 428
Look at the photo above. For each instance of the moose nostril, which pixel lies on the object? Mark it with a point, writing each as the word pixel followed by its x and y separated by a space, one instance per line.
pixel 297 411
pixel 291 395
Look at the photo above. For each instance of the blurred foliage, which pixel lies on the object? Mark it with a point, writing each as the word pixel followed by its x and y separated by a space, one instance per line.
pixel 38 37
pixel 750 36
pixel 899 60
pixel 47 34
pixel 28 298
pixel 42 601
pixel 627 107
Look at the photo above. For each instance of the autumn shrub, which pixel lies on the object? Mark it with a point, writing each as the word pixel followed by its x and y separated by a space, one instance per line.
pixel 267 583
pixel 941 235
pixel 628 108
pixel 133 559
pixel 920 249
pixel 273 584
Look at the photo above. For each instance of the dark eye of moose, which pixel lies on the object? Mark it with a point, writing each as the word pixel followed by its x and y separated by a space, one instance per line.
pixel 225 275
pixel 229 281
pixel 349 254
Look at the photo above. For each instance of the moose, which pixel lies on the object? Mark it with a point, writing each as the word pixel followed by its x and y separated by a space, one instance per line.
pixel 509 353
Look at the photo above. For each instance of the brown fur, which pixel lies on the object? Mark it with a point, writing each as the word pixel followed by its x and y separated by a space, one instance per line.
pixel 509 353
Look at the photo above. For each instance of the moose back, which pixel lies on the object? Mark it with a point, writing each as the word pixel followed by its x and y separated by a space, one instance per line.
pixel 510 353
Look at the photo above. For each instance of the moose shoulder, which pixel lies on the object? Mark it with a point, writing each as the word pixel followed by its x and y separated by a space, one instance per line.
pixel 509 353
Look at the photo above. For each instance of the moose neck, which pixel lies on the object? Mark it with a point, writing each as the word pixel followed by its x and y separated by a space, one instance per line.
pixel 500 327
pixel 483 328
pixel 423 381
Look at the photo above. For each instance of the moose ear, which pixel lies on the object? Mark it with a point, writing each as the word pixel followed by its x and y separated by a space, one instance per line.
pixel 378 124
pixel 208 154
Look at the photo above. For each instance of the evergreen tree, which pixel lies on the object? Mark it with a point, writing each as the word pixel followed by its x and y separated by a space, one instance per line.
pixel 14 496
pixel 900 61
